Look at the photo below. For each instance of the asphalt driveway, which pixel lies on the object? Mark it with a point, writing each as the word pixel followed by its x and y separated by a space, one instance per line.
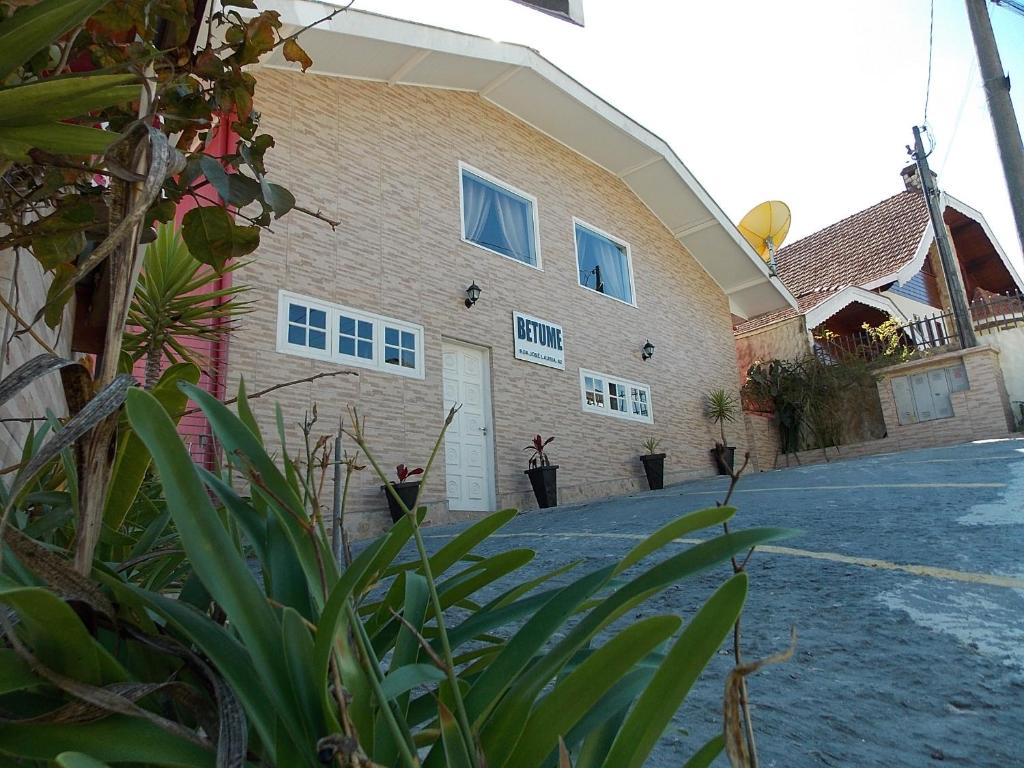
pixel 906 587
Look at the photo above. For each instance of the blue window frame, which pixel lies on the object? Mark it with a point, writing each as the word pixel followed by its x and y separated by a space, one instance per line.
pixel 499 218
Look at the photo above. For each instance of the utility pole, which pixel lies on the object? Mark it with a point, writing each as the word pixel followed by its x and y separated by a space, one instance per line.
pixel 961 315
pixel 1004 122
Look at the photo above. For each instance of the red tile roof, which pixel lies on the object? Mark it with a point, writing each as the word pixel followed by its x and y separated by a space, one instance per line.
pixel 866 246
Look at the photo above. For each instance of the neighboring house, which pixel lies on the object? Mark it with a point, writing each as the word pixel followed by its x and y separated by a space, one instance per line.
pixel 451 160
pixel 877 264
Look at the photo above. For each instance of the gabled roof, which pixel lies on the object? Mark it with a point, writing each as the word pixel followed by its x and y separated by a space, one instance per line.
pixel 872 244
pixel 886 243
pixel 361 45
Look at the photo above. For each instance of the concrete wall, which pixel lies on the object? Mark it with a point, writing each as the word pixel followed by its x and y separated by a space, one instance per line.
pixel 982 411
pixel 785 340
pixel 385 162
pixel 1011 360
pixel 23 285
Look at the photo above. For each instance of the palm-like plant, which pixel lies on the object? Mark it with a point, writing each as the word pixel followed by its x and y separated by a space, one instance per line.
pixel 173 303
pixel 721 406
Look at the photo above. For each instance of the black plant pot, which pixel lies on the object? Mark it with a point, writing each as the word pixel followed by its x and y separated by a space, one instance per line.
pixel 724 458
pixel 407 492
pixel 654 466
pixel 545 485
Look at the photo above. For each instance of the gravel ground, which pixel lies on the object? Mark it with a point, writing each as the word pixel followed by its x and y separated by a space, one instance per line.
pixel 893 668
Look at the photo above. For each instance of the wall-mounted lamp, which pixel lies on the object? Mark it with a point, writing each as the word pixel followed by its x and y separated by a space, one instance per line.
pixel 648 351
pixel 472 294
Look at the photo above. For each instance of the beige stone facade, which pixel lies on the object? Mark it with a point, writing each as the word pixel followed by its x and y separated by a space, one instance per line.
pixel 384 161
pixel 785 340
pixel 24 285
pixel 980 412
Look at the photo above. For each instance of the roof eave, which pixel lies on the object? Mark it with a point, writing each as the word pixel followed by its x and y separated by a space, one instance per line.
pixel 520 81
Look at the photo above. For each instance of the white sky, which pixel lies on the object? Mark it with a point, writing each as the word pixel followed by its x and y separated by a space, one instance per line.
pixel 806 101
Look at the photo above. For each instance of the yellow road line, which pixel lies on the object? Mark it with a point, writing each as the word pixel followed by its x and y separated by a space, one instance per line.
pixel 929 571
pixel 846 487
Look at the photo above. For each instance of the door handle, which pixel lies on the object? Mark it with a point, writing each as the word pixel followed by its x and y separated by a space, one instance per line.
pixel 484 430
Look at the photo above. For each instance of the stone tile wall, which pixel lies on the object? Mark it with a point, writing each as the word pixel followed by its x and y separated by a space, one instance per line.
pixel 384 161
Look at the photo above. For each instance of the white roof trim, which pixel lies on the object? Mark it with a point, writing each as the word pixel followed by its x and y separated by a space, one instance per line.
pixel 912 267
pixel 844 298
pixel 534 90
pixel 958 205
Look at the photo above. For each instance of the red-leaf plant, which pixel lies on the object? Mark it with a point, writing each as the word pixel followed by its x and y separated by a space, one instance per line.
pixel 404 472
pixel 538 458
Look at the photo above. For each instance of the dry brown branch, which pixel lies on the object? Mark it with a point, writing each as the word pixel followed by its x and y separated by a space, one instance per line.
pixel 282 385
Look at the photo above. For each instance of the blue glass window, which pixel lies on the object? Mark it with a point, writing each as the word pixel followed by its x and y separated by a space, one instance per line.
pixel 498 219
pixel 399 347
pixel 603 265
pixel 307 326
pixel 355 337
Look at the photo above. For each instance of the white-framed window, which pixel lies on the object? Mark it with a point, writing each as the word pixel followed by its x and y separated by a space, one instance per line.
pixel 304 327
pixel 498 217
pixel 615 396
pixel 604 263
pixel 309 327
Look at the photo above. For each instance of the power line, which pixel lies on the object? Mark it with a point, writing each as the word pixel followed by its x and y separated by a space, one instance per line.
pixel 931 46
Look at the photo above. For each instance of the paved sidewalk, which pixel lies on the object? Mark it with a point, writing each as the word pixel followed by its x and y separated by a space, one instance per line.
pixel 905 585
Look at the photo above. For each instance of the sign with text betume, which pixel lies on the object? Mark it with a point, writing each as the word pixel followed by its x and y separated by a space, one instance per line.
pixel 538 341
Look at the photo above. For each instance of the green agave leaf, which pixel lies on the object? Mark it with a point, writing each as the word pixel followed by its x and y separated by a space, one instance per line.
pixel 227 654
pixel 32 29
pixel 367 565
pixel 132 459
pixel 210 549
pixel 677 674
pixel 245 411
pixel 15 674
pixel 115 739
pixel 455 752
pixel 79 760
pixel 681 526
pixel 571 698
pixel 488 689
pixel 55 138
pixel 513 594
pixel 404 679
pixel 598 728
pixel 46 101
pixel 298 651
pixel 462 544
pixel 691 561
pixel 480 574
pixel 57 636
pixel 242 447
pixel 249 519
pixel 706 755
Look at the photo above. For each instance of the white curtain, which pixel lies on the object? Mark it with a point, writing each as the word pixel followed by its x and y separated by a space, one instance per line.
pixel 474 207
pixel 513 218
pixel 596 251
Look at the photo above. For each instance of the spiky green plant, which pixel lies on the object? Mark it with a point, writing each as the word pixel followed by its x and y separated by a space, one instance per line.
pixel 721 407
pixel 173 304
pixel 448 658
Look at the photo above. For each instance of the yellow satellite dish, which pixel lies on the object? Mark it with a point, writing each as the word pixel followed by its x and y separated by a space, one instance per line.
pixel 765 227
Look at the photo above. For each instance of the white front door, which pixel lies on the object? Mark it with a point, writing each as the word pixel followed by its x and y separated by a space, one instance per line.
pixel 467 443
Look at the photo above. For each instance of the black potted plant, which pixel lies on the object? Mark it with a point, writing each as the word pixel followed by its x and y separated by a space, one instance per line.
pixel 720 407
pixel 542 473
pixel 407 490
pixel 654 464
